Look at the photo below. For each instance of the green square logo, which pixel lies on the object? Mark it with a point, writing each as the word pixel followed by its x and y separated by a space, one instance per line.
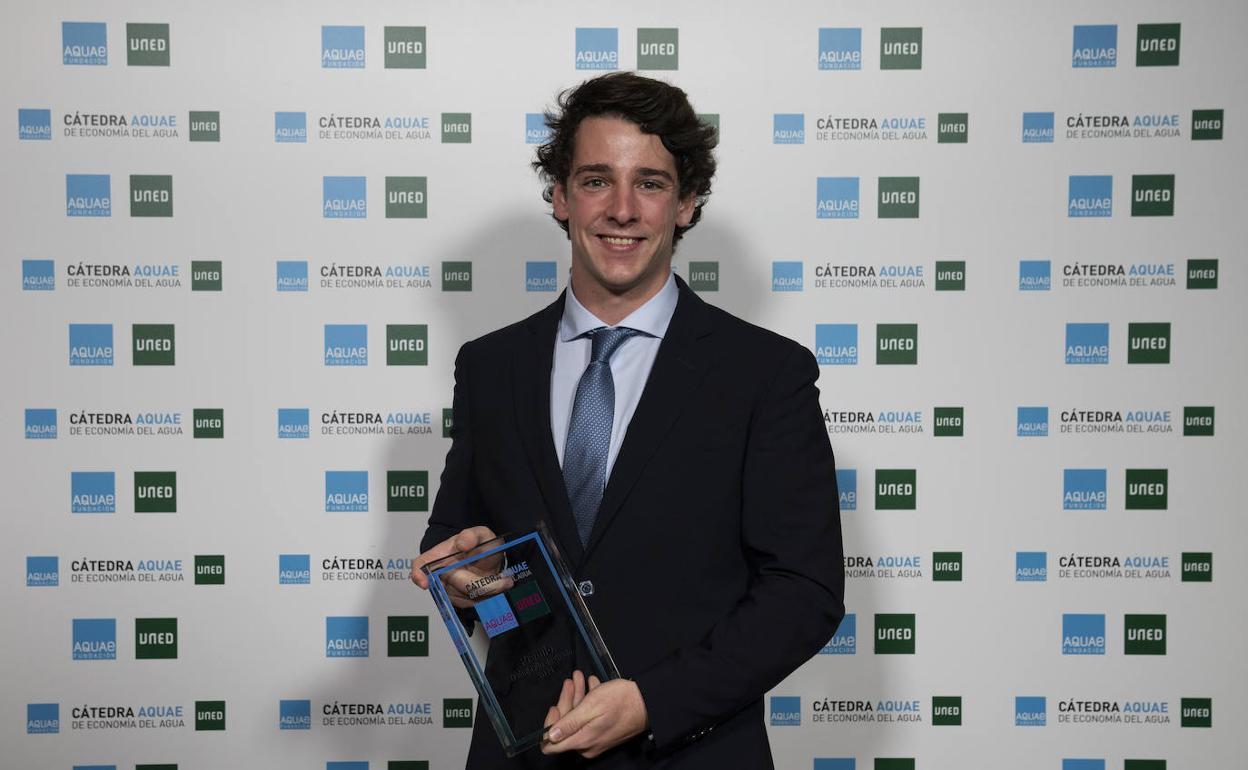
pixel 658 49
pixel 457 128
pixel 1144 634
pixel 151 195
pixel 1196 712
pixel 155 638
pixel 205 126
pixel 1206 124
pixel 528 602
pixel 1146 489
pixel 407 197
pixel 896 344
pixel 407 491
pixel 407 345
pixel 147 45
pixel 951 276
pixel 456 276
pixel 1148 343
pixel 1202 273
pixel 711 119
pixel 210 569
pixel 152 344
pixel 1152 195
pixel 407 636
pixel 894 763
pixel 1143 764
pixel 898 197
pixel 457 712
pixel 895 489
pixel 704 276
pixel 1197 421
pixel 407 764
pixel 1157 45
pixel 209 423
pixel 206 275
pixel 951 127
pixel 209 715
pixel 947 566
pixel 901 48
pixel 894 634
pixel 448 421
pixel 405 48
pixel 1197 567
pixel 155 492
pixel 946 710
pixel 948 421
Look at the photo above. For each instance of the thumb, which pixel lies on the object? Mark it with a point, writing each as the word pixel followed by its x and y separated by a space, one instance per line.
pixel 565 728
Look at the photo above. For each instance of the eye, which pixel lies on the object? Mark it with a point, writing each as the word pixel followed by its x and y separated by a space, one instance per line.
pixel 594 182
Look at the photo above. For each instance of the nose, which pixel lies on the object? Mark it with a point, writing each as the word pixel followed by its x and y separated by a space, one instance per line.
pixel 622 208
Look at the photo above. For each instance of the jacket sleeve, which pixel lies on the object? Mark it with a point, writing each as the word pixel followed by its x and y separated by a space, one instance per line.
pixel 456 505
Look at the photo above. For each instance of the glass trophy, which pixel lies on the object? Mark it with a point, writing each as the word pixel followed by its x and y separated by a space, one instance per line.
pixel 534 629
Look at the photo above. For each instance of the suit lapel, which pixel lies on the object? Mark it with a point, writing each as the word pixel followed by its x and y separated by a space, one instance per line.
pixel 679 367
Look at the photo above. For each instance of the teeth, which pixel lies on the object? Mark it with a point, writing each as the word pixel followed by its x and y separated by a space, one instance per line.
pixel 620 241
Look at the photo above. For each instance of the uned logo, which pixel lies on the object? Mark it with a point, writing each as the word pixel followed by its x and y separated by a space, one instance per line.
pixel 1198 421
pixel 43 718
pixel 406 197
pixel 84 42
pixel 894 633
pixel 896 344
pixel 155 492
pixel 88 195
pixel 948 421
pixel 1196 712
pixel 847 488
pixel 1087 343
pixel 407 491
pixel 457 712
pixel 1152 195
pixel 1147 489
pixel 43 571
pixel 407 636
pixel 407 344
pixel 294 715
pixel 1031 566
pixel 1157 45
pixel 597 48
pixel 1035 275
pixel 346 637
pixel 448 421
pixel 1206 125
pixel 901 48
pixel 90 344
pixel 786 710
pixel 836 344
pixel 405 48
pixel 1037 128
pixel 34 124
pixel 95 639
pixel 1197 567
pixel 346 344
pixel 1095 45
pixel 1148 343
pixel 541 276
pixel 93 492
pixel 895 489
pixel 535 129
pixel 1083 634
pixel 951 275
pixel 294 569
pixel 1090 196
pixel 292 275
pixel 1144 634
pixel 290 127
pixel 1030 711
pixel 292 422
pixel 1201 274
pixel 346 491
pixel 206 275
pixel 898 197
pixel 840 48
pixel 951 127
pixel 41 423
pixel 457 276
pixel 658 48
pixel 786 276
pixel 151 195
pixel 947 566
pixel 210 715
pixel 457 128
pixel 845 640
pixel 788 128
pixel 152 344
pixel 1083 489
pixel 208 423
pixel 345 197
pixel 342 47
pixel 704 276
pixel 205 126
pixel 946 710
pixel 38 275
pixel 1033 421
pixel 147 45
pixel 210 569
pixel 155 638
pixel 836 197
pixel 527 601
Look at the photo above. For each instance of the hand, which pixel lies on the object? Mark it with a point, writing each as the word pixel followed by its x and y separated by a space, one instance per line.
pixel 459 583
pixel 596 721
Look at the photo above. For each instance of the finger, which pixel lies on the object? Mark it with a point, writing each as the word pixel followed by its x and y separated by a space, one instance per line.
pixel 565 698
pixel 574 732
pixel 578 688
pixel 472 537
pixel 593 682
pixel 552 716
pixel 439 551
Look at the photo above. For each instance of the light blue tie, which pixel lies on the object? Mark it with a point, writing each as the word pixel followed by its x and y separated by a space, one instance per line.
pixel 589 430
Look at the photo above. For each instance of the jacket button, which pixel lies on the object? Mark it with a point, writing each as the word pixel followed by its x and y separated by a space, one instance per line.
pixel 586 588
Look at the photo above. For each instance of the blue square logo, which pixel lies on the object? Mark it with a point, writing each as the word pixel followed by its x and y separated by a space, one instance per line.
pixel 1031 566
pixel 90 344
pixel 345 197
pixel 788 128
pixel 294 569
pixel 597 48
pixel 1083 764
pixel 1030 711
pixel 1091 196
pixel 786 711
pixel 1083 489
pixel 1083 634
pixel 836 197
pixel 342 47
pixel 496 615
pixel 845 640
pixel 346 491
pixel 541 276
pixel 840 48
pixel 1037 128
pixel 1033 421
pixel 1096 45
pixel 34 124
pixel 293 423
pixel 294 715
pixel 290 127
pixel 43 571
pixel 351 765
pixel 834 763
pixel 84 42
pixel 38 275
pixel 88 195
pixel 92 492
pixel 1035 275
pixel 786 276
pixel 95 639
pixel 292 275
pixel 40 423
pixel 43 718
pixel 847 488
pixel 535 129
pixel 836 344
pixel 346 344
pixel 1087 343
pixel 346 637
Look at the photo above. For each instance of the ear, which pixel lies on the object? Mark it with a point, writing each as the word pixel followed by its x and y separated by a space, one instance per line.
pixel 559 200
pixel 685 209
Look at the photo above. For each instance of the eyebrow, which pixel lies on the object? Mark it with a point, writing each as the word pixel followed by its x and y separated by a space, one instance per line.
pixel 603 168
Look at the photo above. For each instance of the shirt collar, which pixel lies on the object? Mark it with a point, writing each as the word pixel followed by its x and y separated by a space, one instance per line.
pixel 652 318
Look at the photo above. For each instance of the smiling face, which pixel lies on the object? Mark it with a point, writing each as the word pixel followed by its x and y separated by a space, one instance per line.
pixel 622 204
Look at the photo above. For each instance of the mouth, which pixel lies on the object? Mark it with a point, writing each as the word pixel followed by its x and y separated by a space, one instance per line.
pixel 620 241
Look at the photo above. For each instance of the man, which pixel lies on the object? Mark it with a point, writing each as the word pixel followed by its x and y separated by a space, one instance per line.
pixel 703 512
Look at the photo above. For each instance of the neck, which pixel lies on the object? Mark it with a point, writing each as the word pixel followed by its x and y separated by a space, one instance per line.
pixel 611 307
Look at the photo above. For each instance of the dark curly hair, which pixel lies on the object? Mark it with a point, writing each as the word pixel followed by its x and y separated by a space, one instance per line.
pixel 657 108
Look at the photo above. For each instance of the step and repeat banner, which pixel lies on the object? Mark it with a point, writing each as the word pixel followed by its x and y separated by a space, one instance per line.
pixel 243 242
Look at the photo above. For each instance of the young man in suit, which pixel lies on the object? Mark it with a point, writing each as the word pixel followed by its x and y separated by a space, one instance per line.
pixel 677 453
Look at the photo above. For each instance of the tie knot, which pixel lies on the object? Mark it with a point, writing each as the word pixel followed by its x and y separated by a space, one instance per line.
pixel 606 341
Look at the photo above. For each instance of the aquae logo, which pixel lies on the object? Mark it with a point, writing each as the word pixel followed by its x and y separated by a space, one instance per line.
pixel 294 569
pixel 1095 45
pixel 597 48
pixel 346 344
pixel 34 124
pixel 346 491
pixel 1031 566
pixel 839 763
pixel 405 47
pixel 40 423
pixel 786 276
pixel 1083 764
pixel 147 45
pixel 535 129
pixel 1035 275
pixel 901 48
pixel 540 276
pixel 1087 343
pixel 95 639
pixel 894 633
pixel 1083 634
pixel 293 423
pixel 1037 128
pixel 847 488
pixel 43 571
pixel 294 715
pixel 786 711
pixel 346 636
pixel 1157 45
pixel 38 275
pixel 93 492
pixel 788 128
pixel 895 489
pixel 845 640
pixel 344 197
pixel 840 48
pixel 292 275
pixel 836 197
pixel 1083 489
pixel 658 48
pixel 88 195
pixel 1090 196
pixel 1033 421
pixel 342 47
pixel 836 344
pixel 290 127
pixel 84 43
pixel 496 615
pixel 1030 711
pixel 898 197
pixel 43 718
